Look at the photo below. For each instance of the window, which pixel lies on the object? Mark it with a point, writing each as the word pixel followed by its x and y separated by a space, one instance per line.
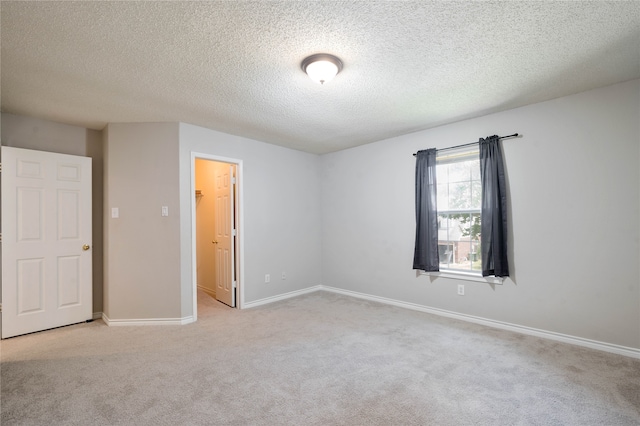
pixel 451 196
pixel 459 195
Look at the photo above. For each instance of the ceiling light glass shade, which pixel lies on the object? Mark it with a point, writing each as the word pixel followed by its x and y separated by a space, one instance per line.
pixel 321 67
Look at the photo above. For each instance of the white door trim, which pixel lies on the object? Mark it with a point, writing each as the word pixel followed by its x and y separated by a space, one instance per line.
pixel 239 226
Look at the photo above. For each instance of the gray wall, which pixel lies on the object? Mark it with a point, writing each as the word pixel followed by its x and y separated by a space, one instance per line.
pixel 142 251
pixel 147 258
pixel 281 206
pixel 32 133
pixel 574 208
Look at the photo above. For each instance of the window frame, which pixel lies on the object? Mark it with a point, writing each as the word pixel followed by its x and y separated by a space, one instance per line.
pixel 459 155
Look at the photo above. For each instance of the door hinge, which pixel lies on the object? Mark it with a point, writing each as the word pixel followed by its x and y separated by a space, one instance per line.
pixel 234 233
pixel 233 180
pixel 235 284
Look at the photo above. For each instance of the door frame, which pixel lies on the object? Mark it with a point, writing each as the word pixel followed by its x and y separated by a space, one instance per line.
pixel 239 211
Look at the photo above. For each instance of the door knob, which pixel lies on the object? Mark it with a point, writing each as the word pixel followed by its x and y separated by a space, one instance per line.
pixel 214 242
pixel 85 247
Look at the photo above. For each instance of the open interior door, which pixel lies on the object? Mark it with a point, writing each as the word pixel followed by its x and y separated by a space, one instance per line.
pixel 224 242
pixel 46 240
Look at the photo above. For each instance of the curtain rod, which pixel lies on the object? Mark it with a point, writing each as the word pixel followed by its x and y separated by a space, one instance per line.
pixel 472 143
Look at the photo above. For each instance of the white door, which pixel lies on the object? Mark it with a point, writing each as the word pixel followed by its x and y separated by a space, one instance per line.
pixel 46 240
pixel 224 241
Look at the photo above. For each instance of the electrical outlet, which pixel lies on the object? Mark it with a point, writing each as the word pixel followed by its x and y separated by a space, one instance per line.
pixel 461 289
pixel 267 278
pixel 284 276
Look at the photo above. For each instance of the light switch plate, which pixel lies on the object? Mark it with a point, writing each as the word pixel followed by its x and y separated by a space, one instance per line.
pixel 165 210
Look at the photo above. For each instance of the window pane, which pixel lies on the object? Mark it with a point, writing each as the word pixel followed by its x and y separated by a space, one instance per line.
pixel 476 195
pixel 444 245
pixel 442 173
pixel 459 172
pixel 443 196
pixel 459 196
pixel 462 260
pixel 475 169
pixel 463 222
pixel 476 258
pixel 443 227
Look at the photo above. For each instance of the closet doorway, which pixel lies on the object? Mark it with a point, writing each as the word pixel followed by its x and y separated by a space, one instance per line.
pixel 217 229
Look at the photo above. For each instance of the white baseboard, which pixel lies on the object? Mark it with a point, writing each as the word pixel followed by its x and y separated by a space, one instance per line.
pixel 284 296
pixel 565 338
pixel 147 321
pixel 97 315
pixel 210 292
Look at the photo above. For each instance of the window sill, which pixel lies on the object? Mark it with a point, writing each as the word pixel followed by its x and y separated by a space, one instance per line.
pixel 464 276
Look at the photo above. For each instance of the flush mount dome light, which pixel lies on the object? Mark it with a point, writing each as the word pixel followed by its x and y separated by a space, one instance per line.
pixel 321 67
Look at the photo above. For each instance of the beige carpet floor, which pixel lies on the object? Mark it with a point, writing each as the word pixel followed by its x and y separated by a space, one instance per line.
pixel 317 359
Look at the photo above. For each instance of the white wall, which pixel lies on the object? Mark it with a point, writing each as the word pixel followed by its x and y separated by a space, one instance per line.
pixel 142 248
pixel 281 205
pixel 42 135
pixel 574 208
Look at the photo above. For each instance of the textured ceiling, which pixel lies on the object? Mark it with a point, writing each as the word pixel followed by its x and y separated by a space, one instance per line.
pixel 235 66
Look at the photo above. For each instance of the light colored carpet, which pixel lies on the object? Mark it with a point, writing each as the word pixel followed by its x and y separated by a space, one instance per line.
pixel 317 359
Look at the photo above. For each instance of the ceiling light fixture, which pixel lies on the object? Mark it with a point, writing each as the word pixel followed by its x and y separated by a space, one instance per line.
pixel 321 67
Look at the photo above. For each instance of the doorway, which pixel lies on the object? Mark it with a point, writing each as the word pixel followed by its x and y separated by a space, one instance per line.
pixel 217 253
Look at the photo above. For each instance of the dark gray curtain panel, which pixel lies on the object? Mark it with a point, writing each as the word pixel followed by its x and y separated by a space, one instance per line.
pixel 425 255
pixel 493 229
